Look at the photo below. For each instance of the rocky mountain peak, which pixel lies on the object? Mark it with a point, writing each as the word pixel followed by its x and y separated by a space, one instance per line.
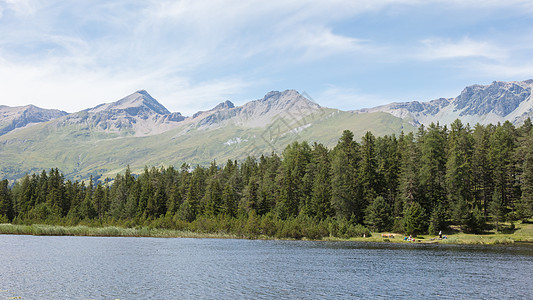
pixel 500 98
pixel 497 102
pixel 287 98
pixel 12 118
pixel 137 114
pixel 137 103
pixel 221 106
pixel 224 105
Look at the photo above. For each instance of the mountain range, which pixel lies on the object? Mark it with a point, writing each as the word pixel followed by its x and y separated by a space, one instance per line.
pixel 139 131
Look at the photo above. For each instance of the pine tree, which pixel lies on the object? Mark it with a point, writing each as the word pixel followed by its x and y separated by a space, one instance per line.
pixel 146 193
pixel 433 166
pixel 409 182
pixel 6 204
pixel 296 157
pixel 504 172
pixel 87 209
pixel 497 209
pixel 345 191
pixel 320 205
pixel 378 215
pixel 525 159
pixel 195 193
pixel 459 165
pixel 389 162
pixel 415 219
pixel 22 195
pixel 132 203
pixel 212 200
pixel 482 180
pixel 437 220
pixel 99 200
pixel 229 201
pixel 250 195
pixel 156 205
pixel 368 169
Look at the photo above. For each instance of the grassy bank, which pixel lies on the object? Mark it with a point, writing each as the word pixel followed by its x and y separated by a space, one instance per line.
pixel 53 230
pixel 522 233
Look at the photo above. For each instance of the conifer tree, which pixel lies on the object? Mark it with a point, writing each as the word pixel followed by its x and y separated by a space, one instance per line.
pixel 229 201
pixel 433 166
pixel 6 204
pixel 482 180
pixel 459 164
pixel 378 215
pixel 212 200
pixel 409 182
pixel 320 205
pixel 389 162
pixel 415 221
pixel 504 172
pixel 368 169
pixel 525 206
pixel 345 191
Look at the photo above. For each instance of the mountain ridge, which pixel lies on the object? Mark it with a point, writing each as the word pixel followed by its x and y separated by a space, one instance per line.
pixel 13 118
pixel 497 102
pixel 139 131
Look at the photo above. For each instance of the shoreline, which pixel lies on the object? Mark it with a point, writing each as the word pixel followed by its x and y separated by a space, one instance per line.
pixel 115 231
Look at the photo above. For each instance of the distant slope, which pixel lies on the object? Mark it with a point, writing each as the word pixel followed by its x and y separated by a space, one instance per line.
pixel 137 114
pixel 12 118
pixel 138 131
pixel 484 104
pixel 107 138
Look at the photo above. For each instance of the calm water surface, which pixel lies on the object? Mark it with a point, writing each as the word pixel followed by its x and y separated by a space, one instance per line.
pixel 34 267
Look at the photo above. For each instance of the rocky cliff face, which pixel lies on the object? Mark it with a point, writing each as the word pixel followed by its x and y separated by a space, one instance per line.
pixel 137 114
pixel 12 118
pixel 288 105
pixel 484 104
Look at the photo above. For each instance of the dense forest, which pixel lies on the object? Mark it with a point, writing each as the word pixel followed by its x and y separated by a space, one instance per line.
pixel 472 178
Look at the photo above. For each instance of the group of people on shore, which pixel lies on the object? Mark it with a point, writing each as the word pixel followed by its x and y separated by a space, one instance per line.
pixel 410 238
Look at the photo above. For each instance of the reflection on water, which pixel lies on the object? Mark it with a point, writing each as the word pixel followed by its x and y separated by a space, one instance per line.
pixel 149 268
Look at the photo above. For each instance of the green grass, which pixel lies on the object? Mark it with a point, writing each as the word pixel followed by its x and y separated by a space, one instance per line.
pixel 79 151
pixel 523 234
pixel 53 230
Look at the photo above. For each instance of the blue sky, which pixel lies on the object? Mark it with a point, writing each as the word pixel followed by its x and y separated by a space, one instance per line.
pixel 191 55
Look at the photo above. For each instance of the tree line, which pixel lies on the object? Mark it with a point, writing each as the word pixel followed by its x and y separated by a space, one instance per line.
pixel 413 183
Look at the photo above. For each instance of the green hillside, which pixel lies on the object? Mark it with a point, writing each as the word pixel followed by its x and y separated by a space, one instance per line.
pixel 83 150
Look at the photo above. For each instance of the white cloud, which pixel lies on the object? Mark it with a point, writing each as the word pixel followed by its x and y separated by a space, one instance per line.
pixel 191 54
pixel 48 85
pixel 318 42
pixel 436 49
pixel 189 98
pixel 506 71
pixel 525 6
pixel 22 7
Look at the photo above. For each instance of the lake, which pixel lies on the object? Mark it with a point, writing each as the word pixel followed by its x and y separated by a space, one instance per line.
pixel 43 267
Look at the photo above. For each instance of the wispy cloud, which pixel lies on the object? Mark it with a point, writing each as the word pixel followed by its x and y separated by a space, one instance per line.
pixel 20 7
pixel 437 49
pixel 521 70
pixel 192 54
